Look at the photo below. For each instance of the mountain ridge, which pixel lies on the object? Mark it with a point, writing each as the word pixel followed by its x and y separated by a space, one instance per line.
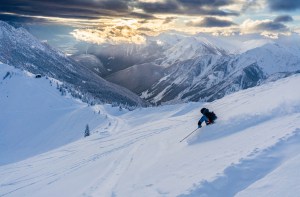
pixel 210 76
pixel 22 50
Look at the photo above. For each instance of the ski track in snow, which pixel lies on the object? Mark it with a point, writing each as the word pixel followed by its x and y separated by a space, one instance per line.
pixel 117 143
pixel 105 186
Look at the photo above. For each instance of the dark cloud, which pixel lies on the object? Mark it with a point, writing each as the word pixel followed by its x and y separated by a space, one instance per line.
pixel 188 7
pixel 16 20
pixel 141 15
pixel 168 20
pixel 271 26
pixel 159 7
pixel 249 4
pixel 26 11
pixel 284 5
pixel 211 3
pixel 275 26
pixel 211 22
pixel 217 12
pixel 77 9
pixel 144 29
pixel 283 18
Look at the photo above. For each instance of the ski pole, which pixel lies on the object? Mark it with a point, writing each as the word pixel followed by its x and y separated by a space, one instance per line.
pixel 189 135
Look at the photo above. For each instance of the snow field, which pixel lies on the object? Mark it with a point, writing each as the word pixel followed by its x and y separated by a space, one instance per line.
pixel 35 118
pixel 252 150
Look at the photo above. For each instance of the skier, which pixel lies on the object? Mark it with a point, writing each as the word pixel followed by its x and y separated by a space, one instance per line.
pixel 208 117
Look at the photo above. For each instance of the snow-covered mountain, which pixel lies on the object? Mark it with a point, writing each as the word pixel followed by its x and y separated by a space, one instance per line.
pixel 198 70
pixel 174 67
pixel 190 48
pixel 251 150
pixel 20 49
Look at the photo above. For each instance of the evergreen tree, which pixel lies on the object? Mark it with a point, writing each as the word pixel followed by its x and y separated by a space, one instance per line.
pixel 87 131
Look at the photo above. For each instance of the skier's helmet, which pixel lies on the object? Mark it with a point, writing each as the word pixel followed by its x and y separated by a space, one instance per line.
pixel 203 110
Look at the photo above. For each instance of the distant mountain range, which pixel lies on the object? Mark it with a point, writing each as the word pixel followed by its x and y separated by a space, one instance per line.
pixel 193 68
pixel 210 73
pixel 22 50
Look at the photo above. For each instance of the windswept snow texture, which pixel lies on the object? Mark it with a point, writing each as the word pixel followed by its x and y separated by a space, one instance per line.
pixel 252 150
pixel 35 117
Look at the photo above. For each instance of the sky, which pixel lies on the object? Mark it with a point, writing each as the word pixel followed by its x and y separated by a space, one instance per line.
pixel 131 21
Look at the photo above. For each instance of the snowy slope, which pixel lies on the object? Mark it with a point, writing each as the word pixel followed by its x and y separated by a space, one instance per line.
pixel 252 150
pixel 35 117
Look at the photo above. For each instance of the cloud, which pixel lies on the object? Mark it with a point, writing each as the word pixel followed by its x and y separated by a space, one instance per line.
pixel 212 3
pixel 267 28
pixel 248 5
pixel 284 5
pixel 141 15
pixel 283 18
pixel 188 7
pixel 144 29
pixel 92 9
pixel 159 7
pixel 169 19
pixel 13 19
pixel 90 13
pixel 72 9
pixel 115 35
pixel 271 26
pixel 117 31
pixel 211 22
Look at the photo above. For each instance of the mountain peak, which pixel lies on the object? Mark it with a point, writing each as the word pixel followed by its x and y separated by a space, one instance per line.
pixel 189 48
